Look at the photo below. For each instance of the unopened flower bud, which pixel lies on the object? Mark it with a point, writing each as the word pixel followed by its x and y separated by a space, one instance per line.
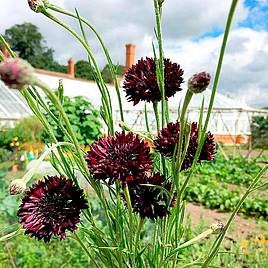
pixel 217 227
pixel 16 73
pixel 37 5
pixel 17 186
pixel 199 82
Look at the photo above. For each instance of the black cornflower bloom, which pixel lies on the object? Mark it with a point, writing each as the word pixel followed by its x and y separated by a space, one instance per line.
pixel 141 84
pixel 168 137
pixel 123 157
pixel 150 198
pixel 50 207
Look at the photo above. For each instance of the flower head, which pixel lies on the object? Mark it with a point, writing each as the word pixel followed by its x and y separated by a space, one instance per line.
pixel 17 186
pixel 150 198
pixel 16 73
pixel 141 84
pixel 168 137
pixel 217 227
pixel 37 5
pixel 50 207
pixel 199 82
pixel 122 157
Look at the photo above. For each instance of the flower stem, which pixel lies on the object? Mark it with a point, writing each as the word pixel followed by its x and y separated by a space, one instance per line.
pixel 111 65
pixel 161 72
pixel 215 247
pixel 214 89
pixel 130 216
pixel 103 89
pixel 155 106
pixel 77 238
pixel 137 240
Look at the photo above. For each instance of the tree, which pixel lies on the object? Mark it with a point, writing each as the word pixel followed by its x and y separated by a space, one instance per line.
pixel 84 70
pixel 106 74
pixel 29 43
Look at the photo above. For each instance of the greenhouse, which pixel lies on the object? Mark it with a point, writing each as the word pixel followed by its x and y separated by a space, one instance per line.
pixel 12 106
pixel 230 120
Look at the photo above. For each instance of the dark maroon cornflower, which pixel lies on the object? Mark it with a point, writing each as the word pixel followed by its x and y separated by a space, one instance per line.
pixel 168 137
pixel 199 82
pixel 150 201
pixel 50 207
pixel 122 157
pixel 141 85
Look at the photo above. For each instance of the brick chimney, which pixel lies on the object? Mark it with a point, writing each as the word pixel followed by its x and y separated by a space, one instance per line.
pixel 130 55
pixel 4 51
pixel 71 68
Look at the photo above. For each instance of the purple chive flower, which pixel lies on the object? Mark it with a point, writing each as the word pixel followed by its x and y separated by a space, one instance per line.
pixel 50 207
pixel 123 157
pixel 168 137
pixel 141 84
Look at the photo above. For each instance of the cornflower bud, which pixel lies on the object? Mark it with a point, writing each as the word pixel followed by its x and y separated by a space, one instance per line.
pixel 16 73
pixel 37 5
pixel 17 186
pixel 199 82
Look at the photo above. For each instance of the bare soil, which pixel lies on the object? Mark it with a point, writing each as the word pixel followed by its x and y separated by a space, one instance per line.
pixel 241 228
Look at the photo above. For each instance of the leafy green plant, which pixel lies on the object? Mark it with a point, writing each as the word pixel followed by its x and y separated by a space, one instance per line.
pixel 259 130
pixel 28 130
pixel 235 170
pixel 84 118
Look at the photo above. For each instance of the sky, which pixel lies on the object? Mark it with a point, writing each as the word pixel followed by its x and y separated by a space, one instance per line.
pixel 192 32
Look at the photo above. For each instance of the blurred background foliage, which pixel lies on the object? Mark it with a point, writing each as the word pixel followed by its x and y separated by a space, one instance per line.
pixel 259 130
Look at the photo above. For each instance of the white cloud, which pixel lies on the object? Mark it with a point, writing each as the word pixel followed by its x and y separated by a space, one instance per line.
pixel 244 67
pixel 124 21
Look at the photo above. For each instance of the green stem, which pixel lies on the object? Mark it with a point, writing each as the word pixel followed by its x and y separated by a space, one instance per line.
pixel 103 89
pixel 214 89
pixel 217 243
pixel 218 70
pixel 111 65
pixel 157 9
pixel 59 107
pixel 137 240
pixel 146 118
pixel 77 238
pixel 10 51
pixel 130 216
pixel 124 126
pixel 155 106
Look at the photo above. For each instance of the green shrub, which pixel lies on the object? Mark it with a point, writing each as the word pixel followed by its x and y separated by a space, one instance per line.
pixel 259 130
pixel 5 155
pixel 106 74
pixel 28 130
pixel 84 119
pixel 219 185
